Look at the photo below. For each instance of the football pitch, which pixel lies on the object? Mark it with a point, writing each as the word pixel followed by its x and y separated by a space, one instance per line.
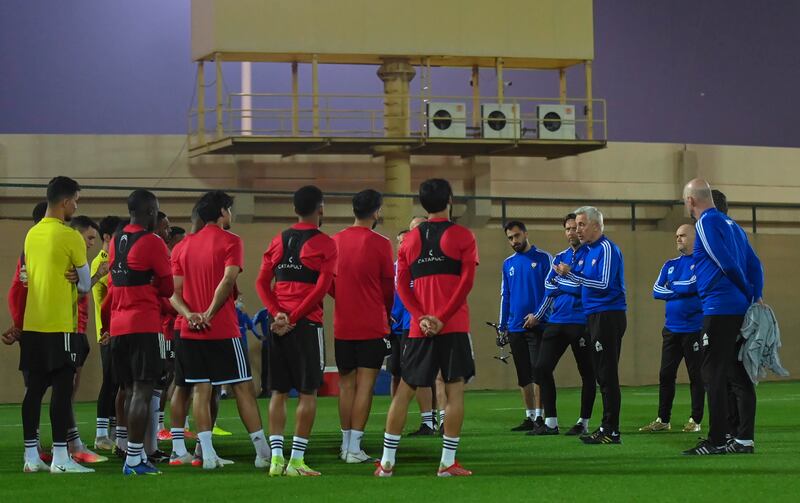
pixel 507 466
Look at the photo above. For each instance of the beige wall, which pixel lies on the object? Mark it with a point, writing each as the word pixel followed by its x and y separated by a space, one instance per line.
pixel 644 253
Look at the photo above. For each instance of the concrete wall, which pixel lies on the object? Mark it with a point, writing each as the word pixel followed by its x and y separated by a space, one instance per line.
pixel 644 253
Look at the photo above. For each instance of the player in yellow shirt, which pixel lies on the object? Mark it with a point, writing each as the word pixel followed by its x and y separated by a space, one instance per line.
pixel 106 414
pixel 49 346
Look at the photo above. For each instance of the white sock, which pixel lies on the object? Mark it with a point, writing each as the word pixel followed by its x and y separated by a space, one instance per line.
pixel 345 440
pixel 584 422
pixel 530 414
pixel 206 445
pixel 178 442
pixel 748 443
pixel 538 412
pixel 31 450
pixel 60 453
pixel 449 446
pixel 134 454
pixel 355 441
pixel 122 438
pixel 299 446
pixel 441 419
pixel 74 439
pixel 551 422
pixel 260 444
pixel 151 435
pixel 276 445
pixel 427 418
pixel 390 444
pixel 160 421
pixel 102 427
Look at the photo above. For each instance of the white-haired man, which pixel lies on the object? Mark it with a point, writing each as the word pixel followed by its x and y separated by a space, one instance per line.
pixel 599 270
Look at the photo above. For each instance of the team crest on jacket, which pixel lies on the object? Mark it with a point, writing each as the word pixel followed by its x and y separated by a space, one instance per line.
pixel 691 267
pixel 670 270
pixel 580 262
pixel 534 264
pixel 511 271
pixel 594 261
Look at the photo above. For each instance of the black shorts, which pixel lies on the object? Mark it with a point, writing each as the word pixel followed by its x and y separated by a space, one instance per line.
pixel 48 352
pixel 169 350
pixel 525 350
pixel 297 359
pixel 368 354
pixel 424 357
pixel 137 357
pixel 394 365
pixel 221 361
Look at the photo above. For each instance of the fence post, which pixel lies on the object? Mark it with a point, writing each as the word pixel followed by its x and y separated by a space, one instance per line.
pixel 755 222
pixel 503 211
pixel 633 216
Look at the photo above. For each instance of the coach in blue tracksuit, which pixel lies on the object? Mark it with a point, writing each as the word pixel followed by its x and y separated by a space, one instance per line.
pixel 683 325
pixel 600 272
pixel 566 327
pixel 729 280
pixel 522 291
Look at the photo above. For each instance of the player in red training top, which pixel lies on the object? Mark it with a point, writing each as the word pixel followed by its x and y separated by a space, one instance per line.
pixel 440 257
pixel 211 354
pixel 364 291
pixel 139 277
pixel 302 260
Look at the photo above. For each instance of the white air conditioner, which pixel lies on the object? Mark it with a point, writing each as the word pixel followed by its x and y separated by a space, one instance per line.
pixel 447 120
pixel 556 122
pixel 500 121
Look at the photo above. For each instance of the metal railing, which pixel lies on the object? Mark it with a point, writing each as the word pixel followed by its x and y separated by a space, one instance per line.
pixel 363 115
pixel 523 206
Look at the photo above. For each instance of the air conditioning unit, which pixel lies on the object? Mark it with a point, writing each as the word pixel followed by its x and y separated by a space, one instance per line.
pixel 556 122
pixel 500 121
pixel 447 120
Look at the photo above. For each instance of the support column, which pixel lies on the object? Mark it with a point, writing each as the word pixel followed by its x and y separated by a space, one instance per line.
pixel 247 99
pixel 218 63
pixel 500 82
pixel 589 111
pixel 295 101
pixel 201 104
pixel 479 183
pixel 476 97
pixel 562 86
pixel 314 96
pixel 396 75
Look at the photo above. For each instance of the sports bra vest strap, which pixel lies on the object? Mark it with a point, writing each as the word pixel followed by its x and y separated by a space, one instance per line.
pixel 432 259
pixel 291 268
pixel 121 274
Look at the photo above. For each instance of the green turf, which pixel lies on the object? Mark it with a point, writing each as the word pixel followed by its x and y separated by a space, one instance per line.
pixel 508 466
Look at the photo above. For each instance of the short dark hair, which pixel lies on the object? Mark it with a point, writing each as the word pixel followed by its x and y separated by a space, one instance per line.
pixel 161 216
pixel 108 226
pixel 570 216
pixel 60 188
pixel 366 202
pixel 514 223
pixel 720 200
pixel 82 222
pixel 435 194
pixel 140 201
pixel 404 231
pixel 176 231
pixel 307 200
pixel 39 211
pixel 210 206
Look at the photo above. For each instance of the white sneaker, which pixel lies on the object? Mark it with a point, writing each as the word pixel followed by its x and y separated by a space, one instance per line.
pixel 212 463
pixel 35 466
pixel 358 457
pixel 69 467
pixel 185 460
pixel 262 462
pixel 225 461
pixel 343 454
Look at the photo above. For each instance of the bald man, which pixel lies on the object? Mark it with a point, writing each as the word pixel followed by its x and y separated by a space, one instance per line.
pixel 681 336
pixel 729 279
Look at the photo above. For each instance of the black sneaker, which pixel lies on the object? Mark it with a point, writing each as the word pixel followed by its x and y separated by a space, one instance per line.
pixel 120 453
pixel 577 429
pixel 158 456
pixel 543 430
pixel 526 425
pixel 705 448
pixel 601 437
pixel 734 447
pixel 423 431
pixel 539 422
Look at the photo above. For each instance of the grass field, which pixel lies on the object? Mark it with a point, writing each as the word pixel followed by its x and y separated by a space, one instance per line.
pixel 508 466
